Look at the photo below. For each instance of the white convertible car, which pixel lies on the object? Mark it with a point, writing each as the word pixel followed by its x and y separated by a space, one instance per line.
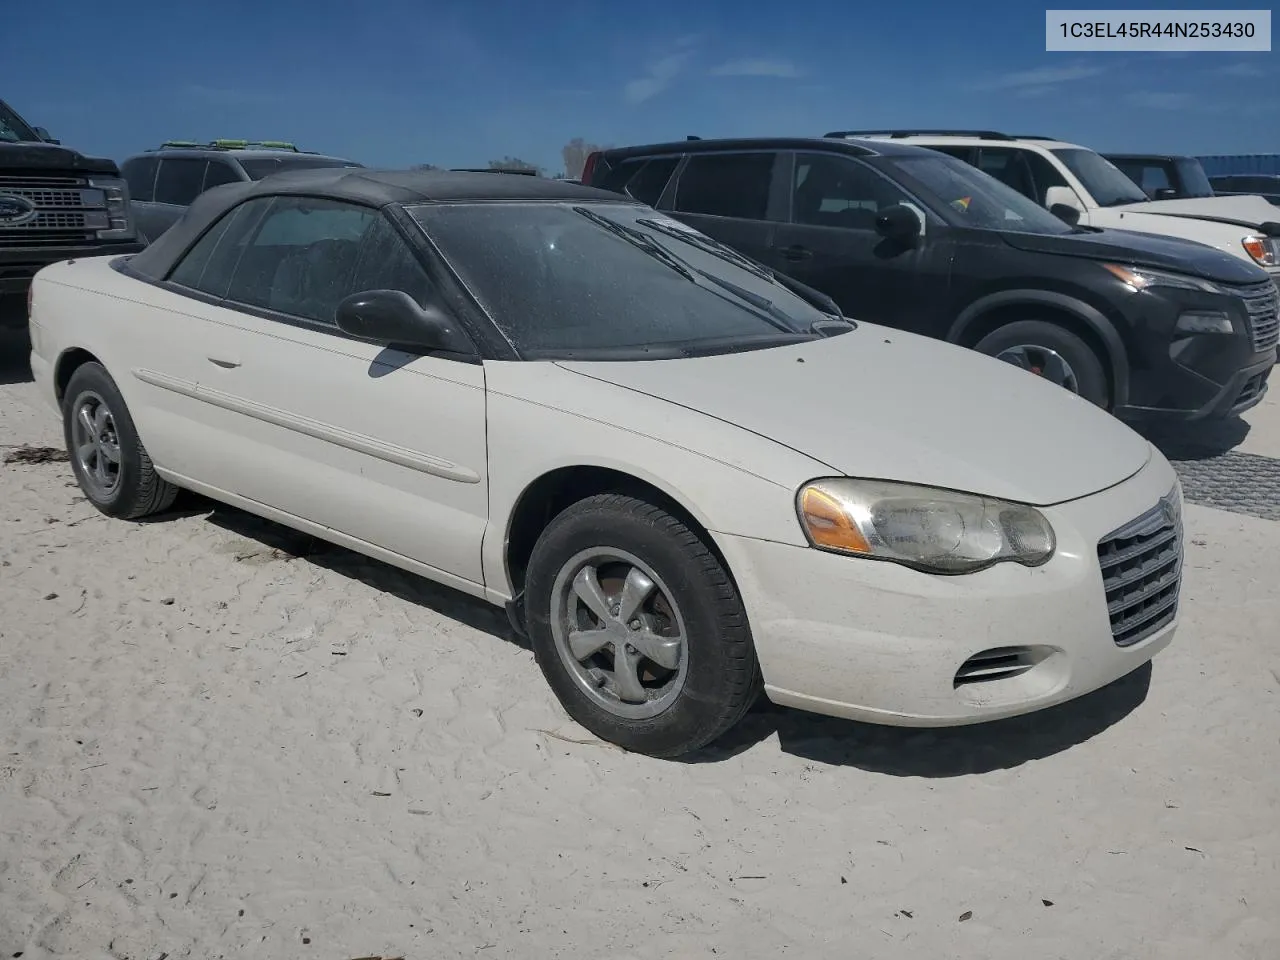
pixel 687 479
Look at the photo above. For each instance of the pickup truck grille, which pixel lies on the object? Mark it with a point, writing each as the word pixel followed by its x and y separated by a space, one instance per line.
pixel 1263 304
pixel 1142 572
pixel 68 211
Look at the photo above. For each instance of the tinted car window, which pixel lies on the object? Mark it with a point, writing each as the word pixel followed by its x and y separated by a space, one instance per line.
pixel 1010 167
pixel 1043 175
pixel 833 191
pixel 180 180
pixel 556 282
pixel 211 261
pixel 259 167
pixel 1104 181
pixel 218 173
pixel 643 180
pixel 140 174
pixel 302 259
pixel 616 180
pixel 726 185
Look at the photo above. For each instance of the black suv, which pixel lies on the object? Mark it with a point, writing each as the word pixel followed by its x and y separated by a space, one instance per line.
pixel 164 181
pixel 55 203
pixel 912 238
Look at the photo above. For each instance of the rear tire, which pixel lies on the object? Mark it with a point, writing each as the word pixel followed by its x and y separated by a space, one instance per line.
pixel 638 628
pixel 108 459
pixel 1055 352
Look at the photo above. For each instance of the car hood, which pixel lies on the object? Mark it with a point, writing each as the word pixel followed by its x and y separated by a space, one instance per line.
pixel 879 403
pixel 1247 211
pixel 1143 249
pixel 51 156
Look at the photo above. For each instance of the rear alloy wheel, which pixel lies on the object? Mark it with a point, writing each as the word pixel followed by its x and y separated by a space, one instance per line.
pixel 109 462
pixel 1053 353
pixel 638 628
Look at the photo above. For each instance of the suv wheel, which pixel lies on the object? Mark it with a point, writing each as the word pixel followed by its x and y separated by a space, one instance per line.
pixel 1052 352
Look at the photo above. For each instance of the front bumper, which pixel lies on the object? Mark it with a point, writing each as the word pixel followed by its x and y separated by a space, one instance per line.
pixel 878 642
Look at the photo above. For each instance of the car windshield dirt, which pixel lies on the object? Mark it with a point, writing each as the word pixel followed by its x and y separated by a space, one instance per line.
pixel 259 167
pixel 967 197
pixel 1106 182
pixel 13 129
pixel 609 281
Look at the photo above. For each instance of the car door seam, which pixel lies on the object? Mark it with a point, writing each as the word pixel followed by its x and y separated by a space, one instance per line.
pixel 359 443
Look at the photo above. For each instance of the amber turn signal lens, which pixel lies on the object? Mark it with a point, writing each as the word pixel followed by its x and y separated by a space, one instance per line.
pixel 1256 247
pixel 828 523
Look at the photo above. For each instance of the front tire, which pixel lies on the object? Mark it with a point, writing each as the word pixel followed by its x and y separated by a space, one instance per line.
pixel 638 628
pixel 109 461
pixel 1052 352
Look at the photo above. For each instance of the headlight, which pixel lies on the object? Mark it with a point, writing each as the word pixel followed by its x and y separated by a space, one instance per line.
pixel 115 221
pixel 928 529
pixel 1264 250
pixel 1143 278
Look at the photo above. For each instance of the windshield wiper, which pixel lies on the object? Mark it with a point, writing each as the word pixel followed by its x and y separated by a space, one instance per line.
pixel 638 239
pixel 708 245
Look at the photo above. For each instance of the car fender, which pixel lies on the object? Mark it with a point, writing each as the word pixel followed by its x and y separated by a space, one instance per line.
pixel 1117 356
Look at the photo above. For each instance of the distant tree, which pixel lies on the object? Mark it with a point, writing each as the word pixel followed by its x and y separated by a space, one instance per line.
pixel 575 154
pixel 424 166
pixel 514 163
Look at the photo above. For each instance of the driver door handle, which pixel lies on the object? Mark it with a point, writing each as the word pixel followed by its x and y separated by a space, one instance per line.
pixel 224 362
pixel 796 252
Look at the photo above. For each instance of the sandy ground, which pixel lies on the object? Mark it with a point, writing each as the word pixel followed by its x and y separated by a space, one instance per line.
pixel 215 742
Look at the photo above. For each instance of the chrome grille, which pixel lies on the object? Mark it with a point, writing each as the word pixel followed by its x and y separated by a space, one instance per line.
pixel 1263 304
pixel 67 209
pixel 1142 571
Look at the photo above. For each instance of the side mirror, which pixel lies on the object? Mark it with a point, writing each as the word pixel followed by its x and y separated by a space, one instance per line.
pixel 898 223
pixel 394 318
pixel 44 135
pixel 1164 193
pixel 1066 213
pixel 1062 195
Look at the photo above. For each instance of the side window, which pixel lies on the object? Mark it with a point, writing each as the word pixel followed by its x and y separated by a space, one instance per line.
pixel 835 191
pixel 211 261
pixel 1043 175
pixel 960 153
pixel 1154 178
pixel 302 259
pixel 387 263
pixel 616 180
pixel 1008 166
pixel 218 173
pixel 140 174
pixel 726 185
pixel 180 180
pixel 647 185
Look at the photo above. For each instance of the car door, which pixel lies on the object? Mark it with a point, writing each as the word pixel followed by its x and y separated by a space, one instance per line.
pixel 140 174
pixel 829 241
pixel 730 195
pixel 383 445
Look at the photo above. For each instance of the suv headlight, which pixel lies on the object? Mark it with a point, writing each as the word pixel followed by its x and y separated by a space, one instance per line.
pixel 1143 278
pixel 926 528
pixel 1264 250
pixel 116 221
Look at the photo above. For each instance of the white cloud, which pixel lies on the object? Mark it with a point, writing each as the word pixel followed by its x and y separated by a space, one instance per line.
pixel 760 67
pixel 1242 69
pixel 658 76
pixel 1160 100
pixel 1041 77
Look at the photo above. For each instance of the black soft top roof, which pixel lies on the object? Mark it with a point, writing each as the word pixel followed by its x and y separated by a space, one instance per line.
pixel 373 188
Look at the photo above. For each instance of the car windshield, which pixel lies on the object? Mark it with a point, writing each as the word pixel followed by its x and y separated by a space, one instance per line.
pixel 967 197
pixel 1194 182
pixel 1106 182
pixel 259 167
pixel 610 281
pixel 13 129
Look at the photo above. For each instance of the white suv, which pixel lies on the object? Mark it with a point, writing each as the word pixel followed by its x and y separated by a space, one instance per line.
pixel 1062 175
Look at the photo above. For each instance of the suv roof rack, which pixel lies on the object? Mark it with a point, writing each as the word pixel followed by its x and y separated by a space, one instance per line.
pixel 230 145
pixel 902 134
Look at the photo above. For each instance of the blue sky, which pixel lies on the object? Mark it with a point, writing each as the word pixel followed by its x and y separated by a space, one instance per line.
pixel 457 84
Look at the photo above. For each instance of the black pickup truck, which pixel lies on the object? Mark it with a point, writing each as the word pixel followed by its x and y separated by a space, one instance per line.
pixel 55 204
